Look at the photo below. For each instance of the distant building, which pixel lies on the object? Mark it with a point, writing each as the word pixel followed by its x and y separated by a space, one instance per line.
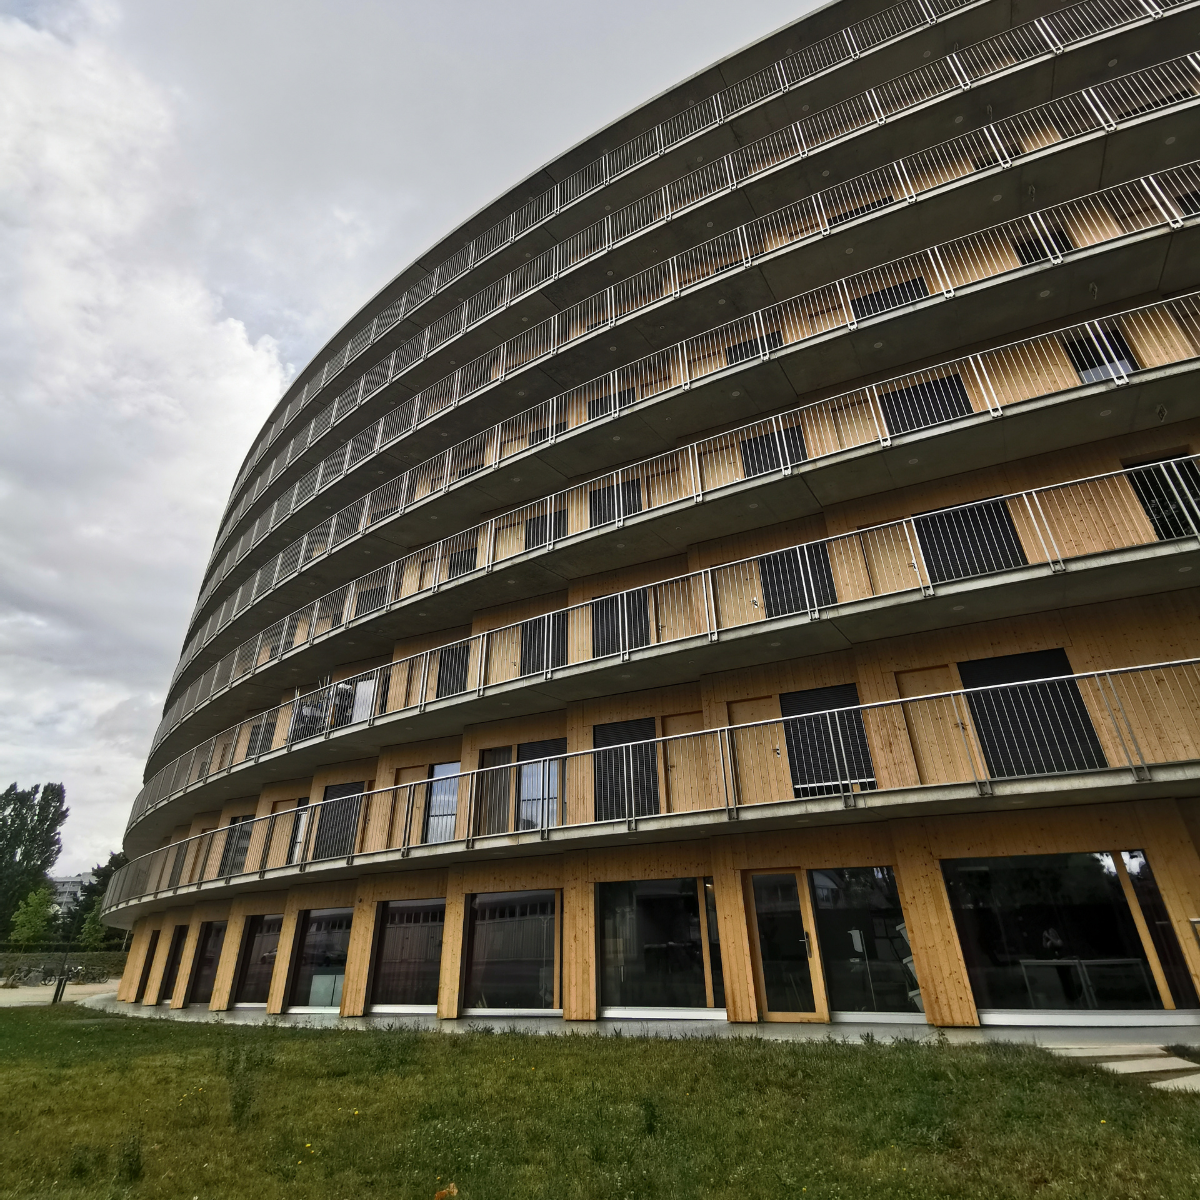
pixel 68 888
pixel 748 572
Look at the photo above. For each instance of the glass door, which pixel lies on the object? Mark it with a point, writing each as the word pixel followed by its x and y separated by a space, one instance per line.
pixel 787 967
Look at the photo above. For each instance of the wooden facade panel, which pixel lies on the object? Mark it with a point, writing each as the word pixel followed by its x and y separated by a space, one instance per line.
pixel 452 945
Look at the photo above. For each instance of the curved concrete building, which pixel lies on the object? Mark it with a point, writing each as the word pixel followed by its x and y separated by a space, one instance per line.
pixel 746 573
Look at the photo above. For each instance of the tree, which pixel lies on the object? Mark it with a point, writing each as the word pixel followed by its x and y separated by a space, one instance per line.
pixel 89 896
pixel 30 844
pixel 93 935
pixel 34 917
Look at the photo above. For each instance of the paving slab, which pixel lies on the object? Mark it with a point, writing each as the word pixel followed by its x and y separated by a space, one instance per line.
pixel 1143 1066
pixel 1181 1083
pixel 1099 1050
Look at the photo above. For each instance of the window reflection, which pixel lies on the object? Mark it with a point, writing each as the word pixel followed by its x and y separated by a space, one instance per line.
pixel 408 956
pixel 864 941
pixel 258 958
pixel 510 951
pixel 441 811
pixel 1048 931
pixel 783 944
pixel 208 955
pixel 653 936
pixel 1162 932
pixel 320 963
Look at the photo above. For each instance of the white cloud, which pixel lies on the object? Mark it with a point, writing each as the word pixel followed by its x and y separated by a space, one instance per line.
pixel 193 197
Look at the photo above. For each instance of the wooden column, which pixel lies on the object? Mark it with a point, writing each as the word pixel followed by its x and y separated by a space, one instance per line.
pixel 358 955
pixel 235 926
pixel 142 930
pixel 941 971
pixel 170 919
pixel 737 966
pixel 281 973
pixel 578 919
pixel 449 988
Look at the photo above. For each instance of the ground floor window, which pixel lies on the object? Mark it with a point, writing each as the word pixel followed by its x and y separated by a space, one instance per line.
pixel 208 954
pixel 259 948
pixel 783 944
pixel 174 955
pixel 658 945
pixel 320 961
pixel 863 937
pixel 408 952
pixel 512 952
pixel 1049 931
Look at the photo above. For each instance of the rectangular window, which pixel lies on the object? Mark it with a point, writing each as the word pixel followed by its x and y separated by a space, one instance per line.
pixel 1100 357
pixel 602 502
pixel 174 955
pixel 538 782
pixel 299 832
pixel 461 561
pixel 888 298
pixel 208 955
pixel 441 810
pixel 1033 249
pixel 493 791
pixel 625 776
pixel 769 451
pixel 262 734
pixel 309 715
pixel 783 945
pixel 147 967
pixel 797 580
pixel 408 952
pixel 603 405
pixel 541 530
pixel 1169 492
pixel 511 952
pixel 620 622
pixel 237 842
pixel 930 402
pixel 654 945
pixel 260 945
pixel 453 663
pixel 976 539
pixel 827 751
pixel 752 347
pixel 1033 728
pixel 864 940
pixel 543 643
pixel 1048 931
pixel 319 966
pixel 337 820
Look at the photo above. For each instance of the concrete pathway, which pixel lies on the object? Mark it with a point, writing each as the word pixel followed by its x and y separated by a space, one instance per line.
pixel 20 997
pixel 1152 1063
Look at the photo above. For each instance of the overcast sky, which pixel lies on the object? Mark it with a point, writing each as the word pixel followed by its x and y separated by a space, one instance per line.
pixel 194 195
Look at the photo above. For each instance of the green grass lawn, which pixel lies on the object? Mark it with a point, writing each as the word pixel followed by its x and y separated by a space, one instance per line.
pixel 99 1106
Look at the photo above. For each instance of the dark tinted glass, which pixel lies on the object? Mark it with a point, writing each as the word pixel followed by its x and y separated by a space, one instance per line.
pixel 960 542
pixel 441 810
pixel 928 402
pixel 337 820
pixel 259 948
pixel 827 750
pixel 1162 931
pixel 320 962
pixel 652 944
pixel 625 777
pixel 1049 931
pixel 510 951
pixel 174 954
pixel 208 955
pixel 408 955
pixel 783 945
pixel 864 941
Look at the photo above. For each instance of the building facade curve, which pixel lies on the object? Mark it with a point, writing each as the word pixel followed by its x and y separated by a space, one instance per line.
pixel 748 572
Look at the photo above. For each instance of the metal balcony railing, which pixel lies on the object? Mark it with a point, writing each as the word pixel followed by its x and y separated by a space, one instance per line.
pixel 1048 125
pixel 876 192
pixel 1130 719
pixel 1162 200
pixel 1111 349
pixel 958 71
pixel 1047 526
pixel 773 80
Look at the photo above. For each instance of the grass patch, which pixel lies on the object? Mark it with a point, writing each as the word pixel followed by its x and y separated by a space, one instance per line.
pixel 107 1106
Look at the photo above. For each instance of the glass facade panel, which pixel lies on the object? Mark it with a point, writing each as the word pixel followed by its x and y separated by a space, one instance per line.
pixel 652 944
pixel 864 940
pixel 408 952
pixel 259 948
pixel 208 954
pixel 1048 931
pixel 441 812
pixel 783 944
pixel 510 951
pixel 174 954
pixel 320 962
